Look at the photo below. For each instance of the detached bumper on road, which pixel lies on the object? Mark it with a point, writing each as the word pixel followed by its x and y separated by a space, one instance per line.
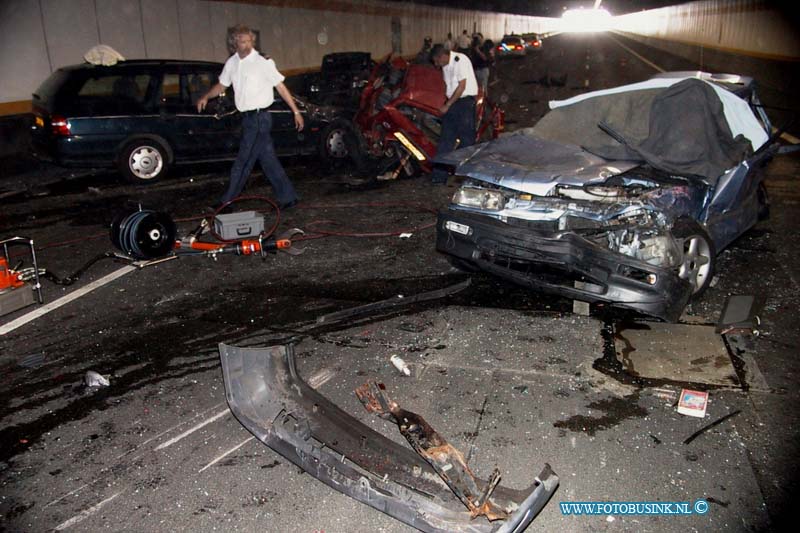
pixel 555 262
pixel 268 397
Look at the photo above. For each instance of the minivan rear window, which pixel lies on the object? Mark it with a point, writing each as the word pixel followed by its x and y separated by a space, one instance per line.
pixel 117 93
pixel 50 87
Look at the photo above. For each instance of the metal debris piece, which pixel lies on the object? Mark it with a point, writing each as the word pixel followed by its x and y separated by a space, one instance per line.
pixel 448 461
pixel 738 315
pixel 391 303
pixel 266 394
pixel 711 425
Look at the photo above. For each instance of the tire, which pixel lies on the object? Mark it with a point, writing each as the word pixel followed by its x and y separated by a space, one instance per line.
pixel 699 256
pixel 143 161
pixel 339 146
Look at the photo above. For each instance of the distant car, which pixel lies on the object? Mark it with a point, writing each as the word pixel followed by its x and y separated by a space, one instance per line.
pixel 623 196
pixel 533 41
pixel 511 46
pixel 141 116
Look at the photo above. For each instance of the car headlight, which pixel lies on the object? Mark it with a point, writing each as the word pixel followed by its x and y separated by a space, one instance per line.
pixel 480 198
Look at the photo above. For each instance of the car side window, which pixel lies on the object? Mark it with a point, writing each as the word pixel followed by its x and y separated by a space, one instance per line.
pixel 174 94
pixel 199 83
pixel 118 93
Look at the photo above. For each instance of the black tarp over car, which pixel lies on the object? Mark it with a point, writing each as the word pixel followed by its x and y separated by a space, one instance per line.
pixel 680 129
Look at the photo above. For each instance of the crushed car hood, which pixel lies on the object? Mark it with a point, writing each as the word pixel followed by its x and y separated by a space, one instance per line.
pixel 532 165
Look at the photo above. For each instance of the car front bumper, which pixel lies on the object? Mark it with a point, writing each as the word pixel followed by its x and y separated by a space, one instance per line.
pixel 266 394
pixel 562 263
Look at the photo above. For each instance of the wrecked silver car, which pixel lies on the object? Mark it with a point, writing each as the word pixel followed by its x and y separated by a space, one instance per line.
pixel 623 196
pixel 429 487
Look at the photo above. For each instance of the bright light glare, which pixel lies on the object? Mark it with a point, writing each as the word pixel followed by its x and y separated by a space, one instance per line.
pixel 585 20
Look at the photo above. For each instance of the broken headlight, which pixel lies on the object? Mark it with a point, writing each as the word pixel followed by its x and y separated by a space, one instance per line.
pixel 480 198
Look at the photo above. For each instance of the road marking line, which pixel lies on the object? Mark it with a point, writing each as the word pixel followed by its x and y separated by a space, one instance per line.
pixel 221 457
pixel 154 437
pixel 86 513
pixel 646 61
pixel 70 493
pixel 188 432
pixel 74 295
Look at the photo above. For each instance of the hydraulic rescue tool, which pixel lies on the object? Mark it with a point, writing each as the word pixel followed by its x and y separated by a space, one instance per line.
pixel 148 235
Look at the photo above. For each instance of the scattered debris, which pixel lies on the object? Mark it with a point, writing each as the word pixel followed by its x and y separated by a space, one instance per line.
pixel 400 365
pixel 448 461
pixel 739 315
pixel 522 389
pixel 94 380
pixel 711 425
pixel 693 403
pixel 406 235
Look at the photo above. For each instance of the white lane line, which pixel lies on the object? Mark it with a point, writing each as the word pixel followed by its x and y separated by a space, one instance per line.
pixel 221 457
pixel 74 295
pixel 646 61
pixel 70 493
pixel 154 437
pixel 86 513
pixel 188 432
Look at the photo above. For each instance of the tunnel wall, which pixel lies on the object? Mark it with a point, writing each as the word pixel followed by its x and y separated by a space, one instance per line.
pixel 754 28
pixel 37 37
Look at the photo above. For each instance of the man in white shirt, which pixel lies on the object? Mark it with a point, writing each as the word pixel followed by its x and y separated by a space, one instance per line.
pixel 253 78
pixel 458 112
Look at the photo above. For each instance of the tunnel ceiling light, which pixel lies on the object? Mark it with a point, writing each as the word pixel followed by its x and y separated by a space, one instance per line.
pixel 585 20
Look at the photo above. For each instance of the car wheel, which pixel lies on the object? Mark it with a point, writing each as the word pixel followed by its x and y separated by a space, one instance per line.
pixel 143 161
pixel 699 256
pixel 339 146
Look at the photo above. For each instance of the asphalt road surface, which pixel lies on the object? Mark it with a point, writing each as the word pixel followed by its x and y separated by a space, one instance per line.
pixel 505 374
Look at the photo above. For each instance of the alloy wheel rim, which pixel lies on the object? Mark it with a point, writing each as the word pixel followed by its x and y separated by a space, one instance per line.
pixel 696 264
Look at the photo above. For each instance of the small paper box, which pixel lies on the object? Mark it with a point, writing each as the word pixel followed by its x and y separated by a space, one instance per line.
pixel 693 403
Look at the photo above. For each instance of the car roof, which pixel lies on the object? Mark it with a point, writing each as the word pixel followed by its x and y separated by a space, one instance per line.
pixel 133 63
pixel 724 80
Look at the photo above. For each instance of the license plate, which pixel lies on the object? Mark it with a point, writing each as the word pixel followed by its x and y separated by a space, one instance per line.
pixel 40 122
pixel 463 229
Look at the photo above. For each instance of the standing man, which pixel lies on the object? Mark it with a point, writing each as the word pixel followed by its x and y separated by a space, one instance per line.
pixel 463 42
pixel 449 44
pixel 458 119
pixel 253 78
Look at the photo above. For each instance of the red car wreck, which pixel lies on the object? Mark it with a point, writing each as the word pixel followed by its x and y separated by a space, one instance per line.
pixel 399 113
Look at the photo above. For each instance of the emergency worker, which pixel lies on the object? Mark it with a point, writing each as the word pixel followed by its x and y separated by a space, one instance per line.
pixel 254 78
pixel 458 111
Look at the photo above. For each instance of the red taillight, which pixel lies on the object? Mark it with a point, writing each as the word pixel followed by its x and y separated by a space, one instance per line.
pixel 60 126
pixel 518 47
pixel 500 48
pixel 537 43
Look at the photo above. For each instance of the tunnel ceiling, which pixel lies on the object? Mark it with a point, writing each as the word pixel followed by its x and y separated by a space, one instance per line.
pixel 548 8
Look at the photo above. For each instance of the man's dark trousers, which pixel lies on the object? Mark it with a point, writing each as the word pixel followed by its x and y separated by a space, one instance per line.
pixel 457 123
pixel 256 145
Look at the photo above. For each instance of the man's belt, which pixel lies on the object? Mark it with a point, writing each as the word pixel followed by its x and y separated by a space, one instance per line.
pixel 255 111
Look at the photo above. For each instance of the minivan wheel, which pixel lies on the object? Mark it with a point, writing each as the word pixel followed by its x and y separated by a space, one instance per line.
pixel 143 161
